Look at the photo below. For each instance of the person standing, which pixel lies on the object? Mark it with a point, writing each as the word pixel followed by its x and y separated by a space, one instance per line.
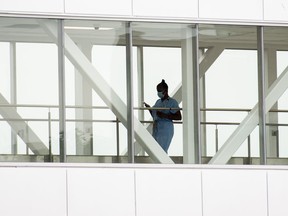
pixel 163 128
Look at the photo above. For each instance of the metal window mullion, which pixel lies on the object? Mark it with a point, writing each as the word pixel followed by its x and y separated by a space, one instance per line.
pixel 129 76
pixel 261 96
pixel 61 74
pixel 196 96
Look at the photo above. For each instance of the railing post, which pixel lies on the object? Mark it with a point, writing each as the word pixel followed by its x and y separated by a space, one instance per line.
pixel 276 134
pixel 27 136
pixel 216 139
pixel 117 137
pixel 49 137
pixel 249 148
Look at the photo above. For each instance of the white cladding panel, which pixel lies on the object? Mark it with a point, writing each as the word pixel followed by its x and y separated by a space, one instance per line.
pixel 256 10
pixel 41 6
pixel 168 192
pixel 234 192
pixel 166 8
pixel 143 191
pixel 278 192
pixel 101 7
pixel 33 191
pixel 231 9
pixel 106 192
pixel 276 10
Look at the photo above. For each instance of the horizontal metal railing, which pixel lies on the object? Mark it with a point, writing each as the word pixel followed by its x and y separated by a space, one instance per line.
pixel 215 123
pixel 136 108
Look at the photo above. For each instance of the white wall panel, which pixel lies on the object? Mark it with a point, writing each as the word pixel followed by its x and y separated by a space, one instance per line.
pixel 110 191
pixel 276 10
pixel 106 192
pixel 51 6
pixel 102 7
pixel 234 192
pixel 278 192
pixel 168 192
pixel 231 9
pixel 166 8
pixel 32 191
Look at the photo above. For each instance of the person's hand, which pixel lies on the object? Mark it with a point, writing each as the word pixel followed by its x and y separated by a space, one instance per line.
pixel 146 105
pixel 161 114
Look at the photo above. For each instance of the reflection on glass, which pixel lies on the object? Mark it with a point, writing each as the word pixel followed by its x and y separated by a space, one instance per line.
pixel 158 48
pixel 230 69
pixel 30 72
pixel 275 41
pixel 95 82
pixel 96 79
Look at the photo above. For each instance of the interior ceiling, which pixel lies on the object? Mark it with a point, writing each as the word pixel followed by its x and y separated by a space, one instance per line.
pixel 146 34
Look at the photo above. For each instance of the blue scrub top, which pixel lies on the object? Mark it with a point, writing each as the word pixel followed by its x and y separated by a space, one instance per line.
pixel 163 129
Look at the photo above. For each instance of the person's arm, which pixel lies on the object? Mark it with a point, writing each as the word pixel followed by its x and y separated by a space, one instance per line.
pixel 174 113
pixel 147 105
pixel 172 116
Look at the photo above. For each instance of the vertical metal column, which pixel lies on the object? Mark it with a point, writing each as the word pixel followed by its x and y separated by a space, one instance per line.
pixel 187 97
pixel 130 110
pixel 61 72
pixel 270 62
pixel 13 92
pixel 196 96
pixel 140 71
pixel 191 97
pixel 203 127
pixel 261 96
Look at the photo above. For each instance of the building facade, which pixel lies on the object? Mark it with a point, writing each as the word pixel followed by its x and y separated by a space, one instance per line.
pixel 74 76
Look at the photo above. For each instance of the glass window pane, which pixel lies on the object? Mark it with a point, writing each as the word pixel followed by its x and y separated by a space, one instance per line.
pixel 229 62
pixel 276 53
pixel 29 86
pixel 158 48
pixel 95 73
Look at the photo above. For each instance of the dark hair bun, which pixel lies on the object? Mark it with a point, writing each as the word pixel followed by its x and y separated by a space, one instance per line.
pixel 163 84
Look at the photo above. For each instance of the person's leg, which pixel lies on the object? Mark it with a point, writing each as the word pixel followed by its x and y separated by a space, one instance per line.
pixel 164 135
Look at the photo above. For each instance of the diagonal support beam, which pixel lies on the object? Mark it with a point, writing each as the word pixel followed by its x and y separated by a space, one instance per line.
pixel 22 129
pixel 107 94
pixel 206 60
pixel 251 121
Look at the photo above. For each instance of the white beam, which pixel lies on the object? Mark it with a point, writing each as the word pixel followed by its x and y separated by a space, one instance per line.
pixel 206 60
pixel 272 117
pixel 187 97
pixel 13 90
pixel 140 81
pixel 107 94
pixel 251 121
pixel 22 129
